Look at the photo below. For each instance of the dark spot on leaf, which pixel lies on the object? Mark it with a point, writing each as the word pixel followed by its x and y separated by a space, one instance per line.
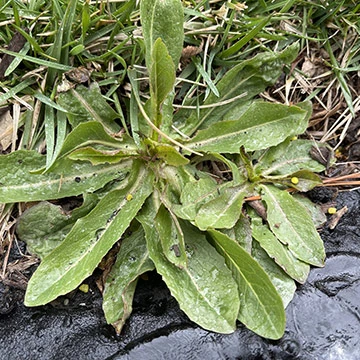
pixel 20 161
pixel 114 213
pixel 98 233
pixel 77 179
pixel 176 250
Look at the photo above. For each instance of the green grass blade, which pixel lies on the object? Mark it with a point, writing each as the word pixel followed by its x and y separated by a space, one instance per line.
pixel 15 63
pixel 244 40
pixel 16 89
pixel 49 121
pixel 206 77
pixel 49 64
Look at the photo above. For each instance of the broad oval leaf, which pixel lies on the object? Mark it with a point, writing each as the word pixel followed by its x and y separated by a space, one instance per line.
pixel 170 155
pixel 67 177
pixel 224 210
pixel 162 19
pixel 245 80
pixel 45 225
pixel 205 290
pixel 166 152
pixel 195 194
pixel 178 177
pixel 294 267
pixel 284 284
pixel 132 261
pixel 92 133
pixel 162 73
pixel 315 211
pixel 293 226
pixel 241 233
pixel 97 157
pixel 88 104
pixel 171 237
pixel 305 180
pixel 261 309
pixel 288 157
pixel 260 126
pixel 88 241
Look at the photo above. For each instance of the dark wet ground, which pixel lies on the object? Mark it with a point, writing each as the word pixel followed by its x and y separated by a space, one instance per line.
pixel 323 320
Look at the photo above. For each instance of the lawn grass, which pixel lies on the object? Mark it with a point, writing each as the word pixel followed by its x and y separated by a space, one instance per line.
pixel 46 45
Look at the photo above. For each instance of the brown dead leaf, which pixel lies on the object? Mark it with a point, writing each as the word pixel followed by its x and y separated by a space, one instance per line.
pixel 190 51
pixel 6 129
pixel 336 217
pixel 16 44
pixel 14 275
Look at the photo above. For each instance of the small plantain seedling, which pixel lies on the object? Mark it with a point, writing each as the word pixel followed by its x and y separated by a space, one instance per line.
pixel 205 193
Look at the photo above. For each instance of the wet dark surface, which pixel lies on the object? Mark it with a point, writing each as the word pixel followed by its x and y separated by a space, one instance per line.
pixel 323 320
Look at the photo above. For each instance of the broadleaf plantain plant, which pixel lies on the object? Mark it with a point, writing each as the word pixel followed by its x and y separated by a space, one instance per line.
pixel 181 184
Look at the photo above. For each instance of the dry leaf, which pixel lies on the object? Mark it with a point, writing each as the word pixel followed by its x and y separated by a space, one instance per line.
pixel 6 129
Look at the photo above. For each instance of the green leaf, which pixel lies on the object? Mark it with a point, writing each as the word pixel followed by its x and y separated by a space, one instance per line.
pixel 261 307
pixel 302 180
pixel 167 113
pixel 315 211
pixel 60 48
pixel 166 152
pixel 67 178
pixel 287 158
pixel 262 125
pixel 294 267
pixel 205 76
pixel 134 113
pixel 44 226
pixel 241 233
pixel 224 210
pixel 293 226
pixel 46 100
pixel 97 157
pixel 170 155
pixel 195 194
pixel 205 290
pixel 171 237
pixel 132 261
pixel 88 104
pixel 162 73
pixel 248 78
pixel 35 60
pixel 16 62
pixel 245 39
pixel 89 241
pixel 93 133
pixel 179 177
pixel 15 89
pixel 162 19
pixel 284 284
